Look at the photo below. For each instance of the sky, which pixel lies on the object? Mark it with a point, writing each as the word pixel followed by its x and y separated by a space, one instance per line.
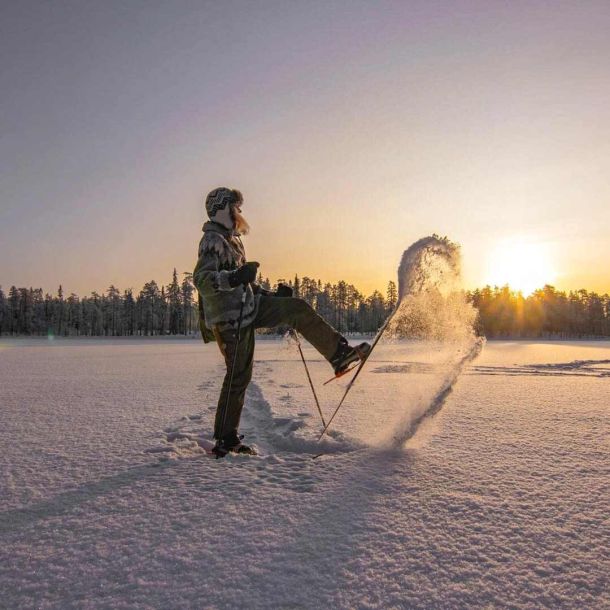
pixel 352 129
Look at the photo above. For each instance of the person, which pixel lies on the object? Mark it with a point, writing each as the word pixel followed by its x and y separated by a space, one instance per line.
pixel 226 284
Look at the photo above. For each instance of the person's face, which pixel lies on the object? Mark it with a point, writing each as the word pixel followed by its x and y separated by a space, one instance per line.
pixel 235 211
pixel 239 222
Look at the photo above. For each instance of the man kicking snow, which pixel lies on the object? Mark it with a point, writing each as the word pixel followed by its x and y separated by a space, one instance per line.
pixel 226 286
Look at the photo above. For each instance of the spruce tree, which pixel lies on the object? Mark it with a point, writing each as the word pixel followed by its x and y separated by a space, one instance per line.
pixel 3 312
pixel 176 311
pixel 189 315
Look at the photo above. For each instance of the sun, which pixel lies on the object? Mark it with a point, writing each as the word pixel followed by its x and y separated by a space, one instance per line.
pixel 522 264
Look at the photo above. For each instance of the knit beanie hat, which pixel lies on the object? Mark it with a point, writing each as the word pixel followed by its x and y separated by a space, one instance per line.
pixel 218 205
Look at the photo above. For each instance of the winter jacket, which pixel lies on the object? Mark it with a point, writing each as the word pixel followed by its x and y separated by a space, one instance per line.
pixel 220 252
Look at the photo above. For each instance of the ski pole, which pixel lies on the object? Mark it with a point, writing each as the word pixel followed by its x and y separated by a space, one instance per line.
pixel 313 390
pixel 360 366
pixel 232 371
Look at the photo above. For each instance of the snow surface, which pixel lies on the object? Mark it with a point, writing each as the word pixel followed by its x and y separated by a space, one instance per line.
pixel 498 501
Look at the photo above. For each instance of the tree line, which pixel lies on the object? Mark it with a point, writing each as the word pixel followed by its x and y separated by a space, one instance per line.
pixel 172 310
pixel 154 311
pixel 546 313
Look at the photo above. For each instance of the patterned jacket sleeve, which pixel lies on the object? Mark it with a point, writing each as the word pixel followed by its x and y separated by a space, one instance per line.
pixel 207 275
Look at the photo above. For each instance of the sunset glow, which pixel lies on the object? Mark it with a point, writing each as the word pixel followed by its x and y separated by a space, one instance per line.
pixel 523 265
pixel 479 121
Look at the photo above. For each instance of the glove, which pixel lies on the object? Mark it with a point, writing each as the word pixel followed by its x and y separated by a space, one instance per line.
pixel 283 291
pixel 246 274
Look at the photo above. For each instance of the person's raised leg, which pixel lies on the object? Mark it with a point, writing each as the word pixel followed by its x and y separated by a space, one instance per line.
pixel 298 314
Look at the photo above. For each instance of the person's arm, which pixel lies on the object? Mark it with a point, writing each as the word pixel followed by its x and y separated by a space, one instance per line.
pixel 258 289
pixel 283 290
pixel 208 275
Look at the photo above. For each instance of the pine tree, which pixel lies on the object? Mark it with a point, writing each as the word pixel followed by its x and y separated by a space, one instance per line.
pixel 3 313
pixel 59 310
pixel 112 311
pixel 95 315
pixel 176 311
pixel 74 314
pixel 149 308
pixel 377 312
pixel 341 302
pixel 188 305
pixel 129 313
pixel 391 296
pixel 25 311
pixel 13 310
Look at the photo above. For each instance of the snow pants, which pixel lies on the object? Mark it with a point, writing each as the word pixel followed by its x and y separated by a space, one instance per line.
pixel 272 311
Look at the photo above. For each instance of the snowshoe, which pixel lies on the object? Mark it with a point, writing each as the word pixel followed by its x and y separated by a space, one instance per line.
pixel 349 369
pixel 232 445
pixel 346 355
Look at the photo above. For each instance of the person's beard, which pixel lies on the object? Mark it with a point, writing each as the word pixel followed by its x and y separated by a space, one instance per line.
pixel 240 223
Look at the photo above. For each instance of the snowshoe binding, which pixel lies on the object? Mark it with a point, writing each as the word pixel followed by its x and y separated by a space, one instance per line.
pixel 232 445
pixel 347 355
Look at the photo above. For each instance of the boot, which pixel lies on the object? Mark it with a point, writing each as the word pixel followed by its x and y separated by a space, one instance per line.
pixel 346 354
pixel 232 444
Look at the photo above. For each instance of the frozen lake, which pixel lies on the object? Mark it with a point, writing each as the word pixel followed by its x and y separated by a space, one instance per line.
pixel 500 500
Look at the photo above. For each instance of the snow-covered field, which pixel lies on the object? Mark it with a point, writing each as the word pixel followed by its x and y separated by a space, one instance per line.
pixel 500 500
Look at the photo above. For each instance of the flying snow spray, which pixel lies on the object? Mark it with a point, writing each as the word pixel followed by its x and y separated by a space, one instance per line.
pixel 434 317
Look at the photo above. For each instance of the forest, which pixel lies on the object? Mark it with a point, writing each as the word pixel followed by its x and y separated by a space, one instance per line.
pixel 172 310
